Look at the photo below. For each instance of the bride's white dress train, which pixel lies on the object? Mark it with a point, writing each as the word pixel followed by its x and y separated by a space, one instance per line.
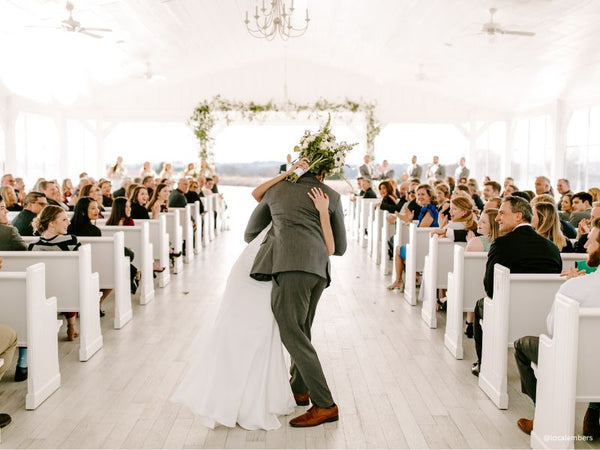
pixel 239 374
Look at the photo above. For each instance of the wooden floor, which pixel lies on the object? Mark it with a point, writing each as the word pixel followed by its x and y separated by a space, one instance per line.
pixel 391 376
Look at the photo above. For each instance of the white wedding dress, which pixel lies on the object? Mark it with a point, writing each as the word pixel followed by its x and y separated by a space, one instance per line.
pixel 239 374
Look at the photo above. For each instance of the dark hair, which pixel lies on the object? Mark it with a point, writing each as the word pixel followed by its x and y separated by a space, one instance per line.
pixel 80 217
pixel 596 224
pixel 134 194
pixel 519 205
pixel 388 188
pixel 146 178
pixel 521 194
pixel 33 197
pixel 154 199
pixel 584 197
pixel 495 185
pixel 118 211
pixel 85 191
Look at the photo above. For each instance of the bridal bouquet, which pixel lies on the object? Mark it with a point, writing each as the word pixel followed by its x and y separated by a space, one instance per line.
pixel 324 154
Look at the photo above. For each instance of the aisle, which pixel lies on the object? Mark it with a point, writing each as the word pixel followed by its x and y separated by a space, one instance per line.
pixel 394 382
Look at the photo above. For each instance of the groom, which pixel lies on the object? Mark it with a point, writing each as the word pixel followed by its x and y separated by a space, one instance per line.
pixel 293 255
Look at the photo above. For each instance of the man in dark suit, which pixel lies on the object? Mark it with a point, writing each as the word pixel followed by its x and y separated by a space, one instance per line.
pixel 520 249
pixel 177 198
pixel 34 203
pixel 123 189
pixel 367 191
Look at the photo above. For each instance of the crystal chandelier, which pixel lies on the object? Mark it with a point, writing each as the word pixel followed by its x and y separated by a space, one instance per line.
pixel 273 21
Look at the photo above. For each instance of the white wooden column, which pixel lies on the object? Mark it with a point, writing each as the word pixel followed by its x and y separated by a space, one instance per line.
pixel 561 116
pixel 10 137
pixel 506 156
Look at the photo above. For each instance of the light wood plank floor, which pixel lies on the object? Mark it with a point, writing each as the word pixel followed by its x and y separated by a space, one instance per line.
pixel 395 383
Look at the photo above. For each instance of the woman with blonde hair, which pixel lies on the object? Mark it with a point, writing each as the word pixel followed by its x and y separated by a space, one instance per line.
pixel 10 198
pixel 595 193
pixel 546 222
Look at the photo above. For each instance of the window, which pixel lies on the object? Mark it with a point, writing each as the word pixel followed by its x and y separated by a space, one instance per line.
pixel 532 151
pixel 582 157
pixel 490 147
pixel 37 147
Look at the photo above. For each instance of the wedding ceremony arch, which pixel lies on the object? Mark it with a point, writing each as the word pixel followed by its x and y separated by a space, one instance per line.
pixel 209 112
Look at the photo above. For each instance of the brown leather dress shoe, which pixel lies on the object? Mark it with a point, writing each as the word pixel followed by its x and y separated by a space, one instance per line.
pixel 316 416
pixel 591 427
pixel 301 399
pixel 525 425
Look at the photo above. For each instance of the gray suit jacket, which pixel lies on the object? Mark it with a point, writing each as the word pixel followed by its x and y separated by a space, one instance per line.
pixel 295 241
pixel 10 239
pixel 366 171
pixel 438 174
pixel 416 172
pixel 461 172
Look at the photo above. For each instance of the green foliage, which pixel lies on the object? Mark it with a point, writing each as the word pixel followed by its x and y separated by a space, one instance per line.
pixel 207 112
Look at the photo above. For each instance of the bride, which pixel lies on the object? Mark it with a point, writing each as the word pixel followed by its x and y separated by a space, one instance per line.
pixel 240 374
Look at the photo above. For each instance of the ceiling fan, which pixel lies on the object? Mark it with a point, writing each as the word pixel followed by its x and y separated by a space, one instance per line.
pixel 71 25
pixel 492 28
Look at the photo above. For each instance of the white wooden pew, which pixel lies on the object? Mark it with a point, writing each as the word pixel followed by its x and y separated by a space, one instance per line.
pixel 198 231
pixel 25 308
pixel 438 264
pixel 378 232
pixel 159 238
pixel 137 239
pixel 567 373
pixel 209 205
pixel 387 231
pixel 401 230
pixel 112 266
pixel 357 223
pixel 350 215
pixel 366 221
pixel 187 226
pixel 416 249
pixel 519 308
pixel 69 278
pixel 175 232
pixel 206 236
pixel 569 259
pixel 465 287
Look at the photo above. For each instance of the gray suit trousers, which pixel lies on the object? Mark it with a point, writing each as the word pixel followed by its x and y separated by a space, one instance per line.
pixel 294 300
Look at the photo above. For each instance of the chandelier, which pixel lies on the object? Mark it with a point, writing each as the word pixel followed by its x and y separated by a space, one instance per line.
pixel 274 21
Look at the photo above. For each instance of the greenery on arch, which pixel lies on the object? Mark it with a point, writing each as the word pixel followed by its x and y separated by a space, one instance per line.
pixel 208 112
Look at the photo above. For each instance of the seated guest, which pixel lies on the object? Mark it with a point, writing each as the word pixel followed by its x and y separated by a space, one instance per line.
pixel 86 211
pixel 10 240
pixel 543 186
pixel 215 188
pixel 148 183
pixel 177 197
pixel 520 249
pixel 139 202
pixel 593 191
pixel 563 187
pixel 93 190
pixel 105 189
pixel 583 289
pixel 509 190
pixel 584 228
pixel 122 190
pixel 442 194
pixel 193 194
pixel 67 190
pixel 566 207
pixel 34 203
pixel 474 191
pixel 207 188
pixel 368 192
pixel 20 189
pixel 428 217
pixel 10 198
pixel 487 231
pixel 545 221
pixel 129 191
pixel 120 215
pixel 389 201
pixel 582 207
pixel 51 225
pixel 491 189
pixel 160 201
pixel 50 190
pixel 493 203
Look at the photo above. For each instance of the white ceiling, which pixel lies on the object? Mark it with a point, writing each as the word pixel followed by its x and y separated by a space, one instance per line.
pixel 356 48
